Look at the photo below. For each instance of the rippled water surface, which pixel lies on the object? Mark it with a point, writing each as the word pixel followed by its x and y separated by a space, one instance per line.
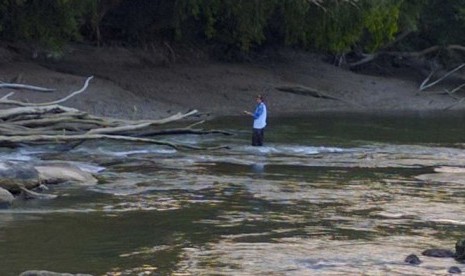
pixel 327 195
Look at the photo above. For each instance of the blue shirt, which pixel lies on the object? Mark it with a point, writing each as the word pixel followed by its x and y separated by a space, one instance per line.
pixel 259 116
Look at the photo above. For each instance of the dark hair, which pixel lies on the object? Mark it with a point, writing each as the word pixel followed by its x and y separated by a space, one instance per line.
pixel 260 97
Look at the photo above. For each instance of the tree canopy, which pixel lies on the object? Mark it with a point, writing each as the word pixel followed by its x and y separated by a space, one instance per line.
pixel 335 27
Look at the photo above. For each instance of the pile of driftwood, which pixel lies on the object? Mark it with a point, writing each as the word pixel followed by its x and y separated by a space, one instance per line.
pixel 52 123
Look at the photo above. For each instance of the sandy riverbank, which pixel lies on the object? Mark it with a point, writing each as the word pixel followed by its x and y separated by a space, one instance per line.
pixel 136 84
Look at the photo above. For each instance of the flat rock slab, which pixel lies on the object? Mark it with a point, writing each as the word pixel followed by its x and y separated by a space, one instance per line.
pixel 15 175
pixel 445 169
pixel 445 175
pixel 63 173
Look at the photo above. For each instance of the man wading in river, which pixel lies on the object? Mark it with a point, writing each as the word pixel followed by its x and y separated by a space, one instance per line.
pixel 259 121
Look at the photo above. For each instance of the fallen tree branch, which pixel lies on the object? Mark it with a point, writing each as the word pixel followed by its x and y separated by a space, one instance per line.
pixel 51 119
pixel 307 91
pixel 370 57
pixel 33 139
pixel 450 93
pixel 28 194
pixel 50 123
pixel 413 54
pixel 455 104
pixel 5 100
pixel 138 126
pixel 23 86
pixel 366 58
pixel 425 85
pixel 38 110
pixel 183 131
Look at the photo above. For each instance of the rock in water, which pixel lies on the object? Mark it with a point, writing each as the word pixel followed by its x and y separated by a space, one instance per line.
pixel 460 250
pixel 17 174
pixel 412 259
pixel 58 173
pixel 5 198
pixel 454 270
pixel 438 253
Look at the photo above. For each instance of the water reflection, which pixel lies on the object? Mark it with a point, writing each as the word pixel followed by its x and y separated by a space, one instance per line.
pixel 258 168
pixel 328 200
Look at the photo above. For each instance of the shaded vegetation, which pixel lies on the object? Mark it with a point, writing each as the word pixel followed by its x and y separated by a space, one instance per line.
pixel 334 27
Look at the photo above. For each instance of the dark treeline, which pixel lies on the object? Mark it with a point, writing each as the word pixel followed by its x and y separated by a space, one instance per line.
pixel 335 27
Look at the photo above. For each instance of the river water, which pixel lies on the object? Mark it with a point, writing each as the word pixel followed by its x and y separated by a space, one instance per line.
pixel 327 195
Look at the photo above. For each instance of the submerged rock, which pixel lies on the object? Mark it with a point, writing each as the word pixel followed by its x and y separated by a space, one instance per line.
pixel 412 259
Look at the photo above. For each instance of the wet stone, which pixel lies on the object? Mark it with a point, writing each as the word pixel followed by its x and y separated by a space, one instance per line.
pixel 14 174
pixel 5 198
pixel 460 250
pixel 454 270
pixel 438 253
pixel 17 170
pixel 412 259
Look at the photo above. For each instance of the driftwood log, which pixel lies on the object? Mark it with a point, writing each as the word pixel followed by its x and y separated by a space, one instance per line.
pixel 311 92
pixel 52 123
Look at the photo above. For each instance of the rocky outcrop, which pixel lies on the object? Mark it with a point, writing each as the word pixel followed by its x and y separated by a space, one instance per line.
pixel 20 178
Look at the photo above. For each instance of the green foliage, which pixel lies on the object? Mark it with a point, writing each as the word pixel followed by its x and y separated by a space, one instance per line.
pixel 410 12
pixel 381 22
pixel 292 18
pixel 367 24
pixel 239 23
pixel 335 29
pixel 331 26
pixel 443 22
pixel 48 23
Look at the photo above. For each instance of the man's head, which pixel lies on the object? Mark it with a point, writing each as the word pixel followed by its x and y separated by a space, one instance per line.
pixel 259 98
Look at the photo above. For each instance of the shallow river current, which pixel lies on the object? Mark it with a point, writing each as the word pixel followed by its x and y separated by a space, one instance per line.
pixel 326 195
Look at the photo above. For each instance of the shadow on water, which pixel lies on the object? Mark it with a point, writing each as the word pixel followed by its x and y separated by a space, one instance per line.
pixel 327 195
